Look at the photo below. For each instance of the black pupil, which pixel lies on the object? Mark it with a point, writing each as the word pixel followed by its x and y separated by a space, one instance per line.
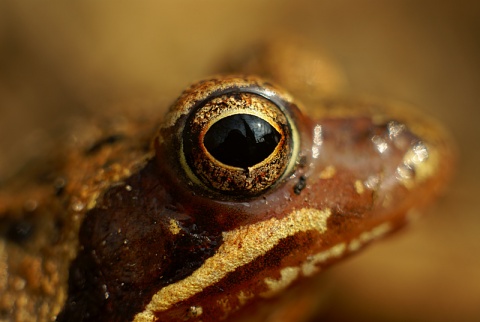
pixel 241 140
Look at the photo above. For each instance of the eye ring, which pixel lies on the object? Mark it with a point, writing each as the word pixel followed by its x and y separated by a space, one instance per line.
pixel 235 137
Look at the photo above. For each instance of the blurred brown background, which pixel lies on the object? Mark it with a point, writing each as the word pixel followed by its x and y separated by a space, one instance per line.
pixel 65 59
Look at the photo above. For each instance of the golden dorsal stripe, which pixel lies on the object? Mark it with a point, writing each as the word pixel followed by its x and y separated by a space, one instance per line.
pixel 240 247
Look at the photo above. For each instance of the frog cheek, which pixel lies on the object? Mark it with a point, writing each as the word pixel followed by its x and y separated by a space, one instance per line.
pixel 238 141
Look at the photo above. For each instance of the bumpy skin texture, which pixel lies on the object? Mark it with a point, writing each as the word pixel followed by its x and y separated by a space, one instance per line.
pixel 42 208
pixel 115 230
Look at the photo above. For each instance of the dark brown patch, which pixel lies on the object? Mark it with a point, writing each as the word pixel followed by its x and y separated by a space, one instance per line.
pixel 17 230
pixel 109 140
pixel 128 251
pixel 301 184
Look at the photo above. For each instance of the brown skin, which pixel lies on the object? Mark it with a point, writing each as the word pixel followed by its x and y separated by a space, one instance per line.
pixel 104 210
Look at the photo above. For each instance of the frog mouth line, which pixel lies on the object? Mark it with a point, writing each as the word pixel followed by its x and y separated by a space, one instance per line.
pixel 240 247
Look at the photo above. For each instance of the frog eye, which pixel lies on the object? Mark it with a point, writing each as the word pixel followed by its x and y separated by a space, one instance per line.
pixel 238 141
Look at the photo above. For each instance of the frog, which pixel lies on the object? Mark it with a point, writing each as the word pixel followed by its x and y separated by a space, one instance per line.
pixel 226 209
